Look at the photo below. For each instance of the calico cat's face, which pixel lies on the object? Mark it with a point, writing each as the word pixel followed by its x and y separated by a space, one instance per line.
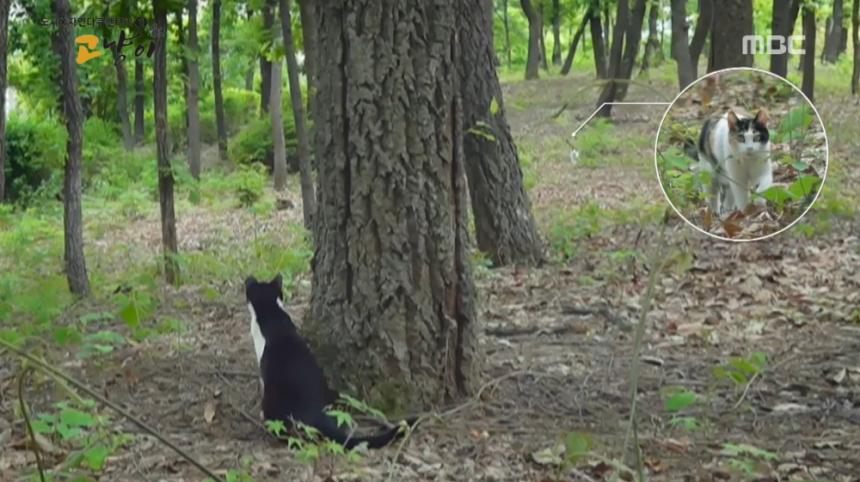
pixel 259 293
pixel 748 135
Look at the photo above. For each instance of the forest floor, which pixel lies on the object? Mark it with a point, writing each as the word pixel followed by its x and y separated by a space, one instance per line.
pixel 558 339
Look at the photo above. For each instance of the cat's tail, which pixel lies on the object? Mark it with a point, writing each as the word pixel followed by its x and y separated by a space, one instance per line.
pixel 328 427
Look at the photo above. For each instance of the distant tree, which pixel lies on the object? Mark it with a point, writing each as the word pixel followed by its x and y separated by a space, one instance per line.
pixel 183 60
pixel 303 150
pixel 307 9
pixel 507 24
pixel 834 33
pixel 680 49
pixel 704 23
pixel 279 163
pixel 625 49
pixel 653 54
pixel 249 74
pixel 220 122
pixel 504 225
pixel 556 32
pixel 165 172
pixel 122 82
pixel 598 41
pixel 4 47
pixel 73 222
pixel 535 33
pixel 809 31
pixel 541 7
pixel 266 66
pixel 855 35
pixel 782 25
pixel 193 92
pixel 734 22
pixel 139 101
pixel 392 310
pixel 571 51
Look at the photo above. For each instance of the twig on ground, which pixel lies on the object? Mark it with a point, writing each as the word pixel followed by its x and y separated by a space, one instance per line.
pixel 25 413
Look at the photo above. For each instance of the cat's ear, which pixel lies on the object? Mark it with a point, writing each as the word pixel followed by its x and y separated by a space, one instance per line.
pixel 733 120
pixel 250 280
pixel 761 117
pixel 278 281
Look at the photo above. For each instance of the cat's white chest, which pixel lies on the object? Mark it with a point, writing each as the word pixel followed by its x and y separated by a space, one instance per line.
pixel 256 335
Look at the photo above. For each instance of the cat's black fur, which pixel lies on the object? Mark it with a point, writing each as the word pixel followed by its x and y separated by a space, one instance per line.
pixel 294 386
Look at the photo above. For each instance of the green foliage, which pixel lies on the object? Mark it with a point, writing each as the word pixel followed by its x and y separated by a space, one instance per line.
pixel 102 145
pixel 597 141
pixel 740 370
pixel 253 144
pixel 35 150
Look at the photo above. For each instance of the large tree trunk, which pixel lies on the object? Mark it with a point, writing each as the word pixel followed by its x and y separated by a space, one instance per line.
pixel 122 101
pixel 220 122
pixel 307 10
pixel 834 33
pixel 734 22
pixel 535 34
pixel 571 52
pixel 4 37
pixel 680 49
pixel 782 25
pixel 193 92
pixel 504 226
pixel 628 33
pixel 275 114
pixel 265 65
pixel 704 23
pixel 597 42
pixel 303 148
pixel 392 305
pixel 507 24
pixel 855 35
pixel 556 32
pixel 653 50
pixel 165 172
pixel 139 101
pixel 73 219
pixel 809 31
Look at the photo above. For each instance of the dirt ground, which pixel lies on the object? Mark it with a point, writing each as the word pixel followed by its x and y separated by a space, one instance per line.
pixel 558 342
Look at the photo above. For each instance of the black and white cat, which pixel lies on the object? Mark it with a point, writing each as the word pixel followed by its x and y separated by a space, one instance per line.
pixel 294 386
pixel 736 151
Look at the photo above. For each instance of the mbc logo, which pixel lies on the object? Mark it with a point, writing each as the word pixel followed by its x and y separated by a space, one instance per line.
pixel 773 44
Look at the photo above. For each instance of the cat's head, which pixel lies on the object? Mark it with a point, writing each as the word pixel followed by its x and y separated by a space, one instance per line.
pixel 263 293
pixel 749 134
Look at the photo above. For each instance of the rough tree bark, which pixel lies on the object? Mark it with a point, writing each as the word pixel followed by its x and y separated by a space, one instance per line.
pixel 727 32
pixel 303 148
pixel 139 102
pixel 855 35
pixel 571 52
pixel 279 163
pixel 628 33
pixel 556 32
pixel 165 172
pixel 392 303
pixel 220 122
pixel 598 44
pixel 834 33
pixel 704 23
pixel 504 226
pixel 265 65
pixel 782 24
pixel 4 37
pixel 193 92
pixel 306 12
pixel 535 34
pixel 73 219
pixel 809 31
pixel 680 48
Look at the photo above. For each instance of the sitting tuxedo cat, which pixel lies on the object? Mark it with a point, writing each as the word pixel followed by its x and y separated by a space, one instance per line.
pixel 736 150
pixel 294 387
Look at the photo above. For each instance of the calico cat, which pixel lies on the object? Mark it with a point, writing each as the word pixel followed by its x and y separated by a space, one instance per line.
pixel 736 151
pixel 294 387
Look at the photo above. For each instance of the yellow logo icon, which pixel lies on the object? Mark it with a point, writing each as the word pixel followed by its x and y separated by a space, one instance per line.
pixel 86 52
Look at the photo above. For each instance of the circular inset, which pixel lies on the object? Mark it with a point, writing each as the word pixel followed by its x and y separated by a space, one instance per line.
pixel 741 154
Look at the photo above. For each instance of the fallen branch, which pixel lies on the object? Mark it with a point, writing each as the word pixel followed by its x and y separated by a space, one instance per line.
pixel 25 413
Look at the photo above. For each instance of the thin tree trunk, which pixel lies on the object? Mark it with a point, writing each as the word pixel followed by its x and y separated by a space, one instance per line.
pixel 809 31
pixel 535 34
pixel 855 35
pixel 597 42
pixel 309 40
pixel 277 119
pixel 4 37
pixel 165 172
pixel 392 310
pixel 265 65
pixel 139 101
pixel 833 34
pixel 73 220
pixel 507 31
pixel 571 52
pixel 504 226
pixel 193 92
pixel 303 149
pixel 183 59
pixel 556 32
pixel 122 102
pixel 249 74
pixel 653 54
pixel 607 25
pixel 680 49
pixel 543 57
pixel 734 22
pixel 220 122
pixel 704 24
pixel 625 48
pixel 782 25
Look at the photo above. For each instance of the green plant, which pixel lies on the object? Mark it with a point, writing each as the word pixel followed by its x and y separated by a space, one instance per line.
pixel 35 150
pixel 739 371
